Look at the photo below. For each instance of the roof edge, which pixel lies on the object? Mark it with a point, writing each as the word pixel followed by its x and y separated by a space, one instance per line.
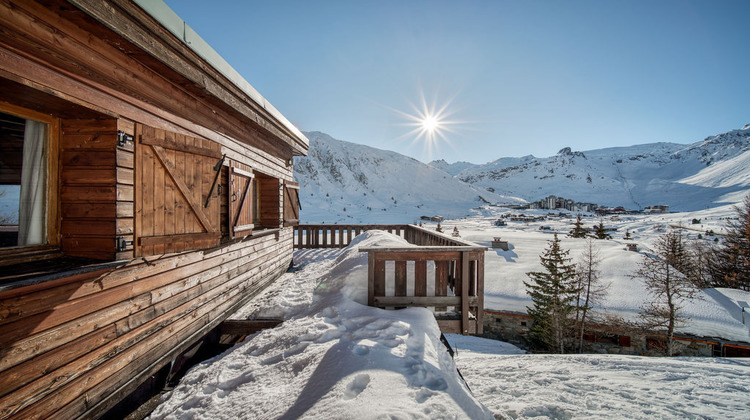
pixel 171 21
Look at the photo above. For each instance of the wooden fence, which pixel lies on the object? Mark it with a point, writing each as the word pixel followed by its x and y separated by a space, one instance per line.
pixel 399 277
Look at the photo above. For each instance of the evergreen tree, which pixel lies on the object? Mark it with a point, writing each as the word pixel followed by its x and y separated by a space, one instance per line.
pixel 731 265
pixel 600 232
pixel 578 230
pixel 553 293
pixel 667 278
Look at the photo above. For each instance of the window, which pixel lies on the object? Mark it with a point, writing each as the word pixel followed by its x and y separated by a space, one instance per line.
pixel 24 165
pixel 253 201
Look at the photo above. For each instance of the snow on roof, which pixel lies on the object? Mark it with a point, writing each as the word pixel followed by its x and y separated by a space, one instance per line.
pixel 179 28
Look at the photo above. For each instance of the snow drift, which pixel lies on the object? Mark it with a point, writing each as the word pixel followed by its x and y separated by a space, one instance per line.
pixel 334 358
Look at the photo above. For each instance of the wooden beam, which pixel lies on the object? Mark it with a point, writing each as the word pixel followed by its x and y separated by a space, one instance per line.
pixel 424 301
pixel 247 326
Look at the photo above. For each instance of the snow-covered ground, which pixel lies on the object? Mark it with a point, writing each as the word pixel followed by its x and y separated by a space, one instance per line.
pixel 514 385
pixel 334 357
pixel 714 313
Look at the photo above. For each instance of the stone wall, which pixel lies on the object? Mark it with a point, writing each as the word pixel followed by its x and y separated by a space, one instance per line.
pixel 514 327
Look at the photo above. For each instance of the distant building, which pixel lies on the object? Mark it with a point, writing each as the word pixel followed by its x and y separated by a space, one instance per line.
pixel 552 202
pixel 656 209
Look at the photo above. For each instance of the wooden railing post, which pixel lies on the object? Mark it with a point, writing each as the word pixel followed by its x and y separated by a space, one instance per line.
pixel 370 278
pixel 480 293
pixel 464 292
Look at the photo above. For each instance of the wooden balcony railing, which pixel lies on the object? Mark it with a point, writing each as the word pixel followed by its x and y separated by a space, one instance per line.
pixel 399 277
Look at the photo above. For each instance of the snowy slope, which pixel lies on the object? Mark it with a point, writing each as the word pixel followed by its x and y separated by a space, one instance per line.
pixel 350 183
pixel 692 177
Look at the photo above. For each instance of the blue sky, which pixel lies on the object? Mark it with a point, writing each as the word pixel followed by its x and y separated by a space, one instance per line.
pixel 515 77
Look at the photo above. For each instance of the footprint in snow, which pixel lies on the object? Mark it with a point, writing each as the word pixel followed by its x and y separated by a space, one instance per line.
pixel 356 386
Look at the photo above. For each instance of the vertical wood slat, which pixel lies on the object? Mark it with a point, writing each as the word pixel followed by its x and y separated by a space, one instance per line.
pixel 181 212
pixel 400 287
pixel 379 277
pixel 169 198
pixel 146 209
pixel 472 278
pixel 441 281
pixel 465 263
pixel 370 278
pixel 420 278
pixel 458 283
pixel 139 191
pixel 480 294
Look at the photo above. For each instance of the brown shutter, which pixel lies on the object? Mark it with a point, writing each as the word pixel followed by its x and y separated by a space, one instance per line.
pixel 269 213
pixel 291 203
pixel 175 173
pixel 240 199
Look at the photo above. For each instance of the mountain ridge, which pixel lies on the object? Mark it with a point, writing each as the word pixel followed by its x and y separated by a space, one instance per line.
pixel 352 183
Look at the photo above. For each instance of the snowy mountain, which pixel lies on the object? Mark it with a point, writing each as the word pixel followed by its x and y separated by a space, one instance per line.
pixel 344 182
pixel 451 168
pixel 704 174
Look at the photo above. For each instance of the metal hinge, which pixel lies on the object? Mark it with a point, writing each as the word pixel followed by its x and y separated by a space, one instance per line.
pixel 122 244
pixel 123 138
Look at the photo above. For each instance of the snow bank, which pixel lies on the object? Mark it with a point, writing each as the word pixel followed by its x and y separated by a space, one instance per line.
pixel 520 386
pixel 334 358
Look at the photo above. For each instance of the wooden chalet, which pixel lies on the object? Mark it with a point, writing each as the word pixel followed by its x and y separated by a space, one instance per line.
pixel 145 194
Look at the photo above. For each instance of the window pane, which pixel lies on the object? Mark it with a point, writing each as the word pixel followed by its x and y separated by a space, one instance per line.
pixel 23 162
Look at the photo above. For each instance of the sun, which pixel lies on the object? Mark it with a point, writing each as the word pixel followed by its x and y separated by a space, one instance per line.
pixel 430 123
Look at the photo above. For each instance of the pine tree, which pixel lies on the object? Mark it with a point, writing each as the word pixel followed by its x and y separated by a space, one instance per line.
pixel 553 293
pixel 578 230
pixel 600 232
pixel 667 278
pixel 590 289
pixel 731 263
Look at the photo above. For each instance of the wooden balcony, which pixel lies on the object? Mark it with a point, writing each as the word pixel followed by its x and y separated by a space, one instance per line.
pixel 399 277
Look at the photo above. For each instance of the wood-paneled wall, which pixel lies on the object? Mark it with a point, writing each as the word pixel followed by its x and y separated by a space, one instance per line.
pixel 89 190
pixel 77 345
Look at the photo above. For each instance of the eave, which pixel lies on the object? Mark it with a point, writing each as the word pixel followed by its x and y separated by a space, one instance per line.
pixel 164 39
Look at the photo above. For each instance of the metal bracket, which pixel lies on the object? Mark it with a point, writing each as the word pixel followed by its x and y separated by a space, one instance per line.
pixel 123 138
pixel 122 244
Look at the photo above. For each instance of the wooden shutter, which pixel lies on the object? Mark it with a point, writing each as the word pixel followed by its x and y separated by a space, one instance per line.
pixel 174 174
pixel 291 203
pixel 269 201
pixel 240 199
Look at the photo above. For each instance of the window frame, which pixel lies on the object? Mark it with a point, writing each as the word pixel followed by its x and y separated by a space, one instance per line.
pixel 15 254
